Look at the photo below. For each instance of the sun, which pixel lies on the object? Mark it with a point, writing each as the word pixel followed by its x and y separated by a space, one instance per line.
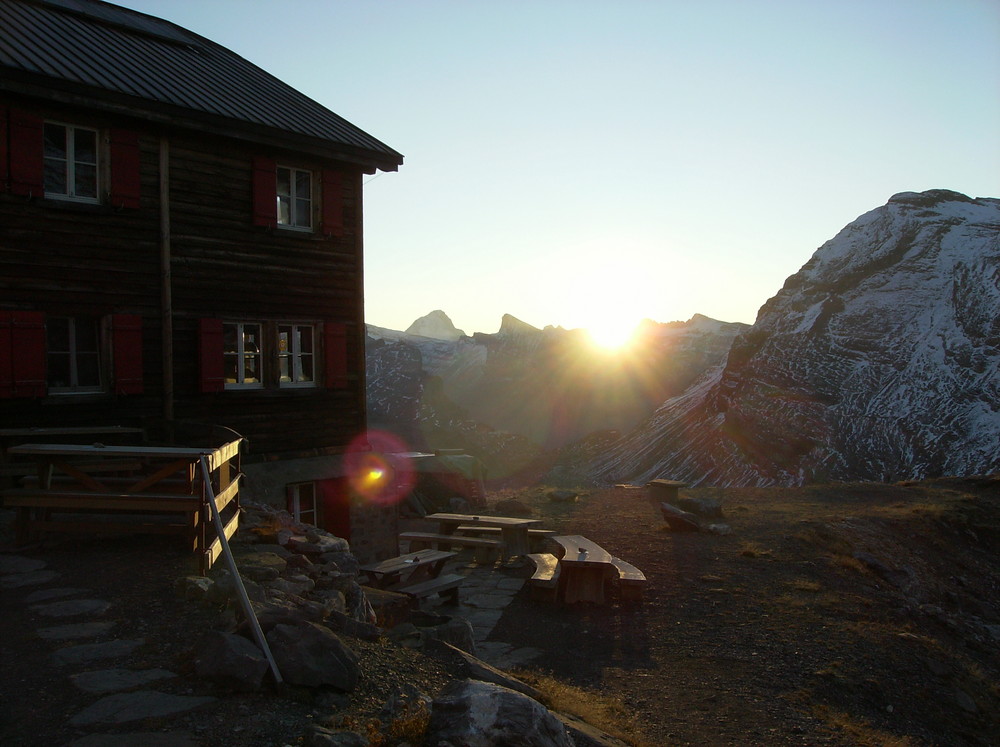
pixel 611 335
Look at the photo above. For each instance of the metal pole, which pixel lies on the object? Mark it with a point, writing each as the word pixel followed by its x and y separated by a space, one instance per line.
pixel 258 634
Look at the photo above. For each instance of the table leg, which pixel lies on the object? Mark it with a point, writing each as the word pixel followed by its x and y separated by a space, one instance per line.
pixel 583 584
pixel 516 540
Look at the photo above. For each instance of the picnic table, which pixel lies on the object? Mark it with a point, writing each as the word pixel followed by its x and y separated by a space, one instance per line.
pixel 583 567
pixel 411 567
pixel 416 574
pixel 513 530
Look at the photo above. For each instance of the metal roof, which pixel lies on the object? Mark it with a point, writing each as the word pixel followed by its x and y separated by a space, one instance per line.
pixel 106 51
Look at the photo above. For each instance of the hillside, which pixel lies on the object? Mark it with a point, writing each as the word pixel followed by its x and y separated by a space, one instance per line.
pixel 847 615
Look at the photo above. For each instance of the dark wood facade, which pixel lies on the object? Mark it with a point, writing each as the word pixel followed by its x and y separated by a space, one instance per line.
pixel 181 244
pixel 63 258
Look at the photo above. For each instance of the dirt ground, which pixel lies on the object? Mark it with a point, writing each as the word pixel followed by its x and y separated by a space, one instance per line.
pixel 844 615
pixel 840 615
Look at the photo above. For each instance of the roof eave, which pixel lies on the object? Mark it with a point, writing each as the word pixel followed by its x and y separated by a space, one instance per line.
pixel 170 115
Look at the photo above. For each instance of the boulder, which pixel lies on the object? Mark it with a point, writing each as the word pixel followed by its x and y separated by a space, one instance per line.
pixel 481 714
pixel 709 508
pixel 230 660
pixel 512 507
pixel 312 655
pixel 679 520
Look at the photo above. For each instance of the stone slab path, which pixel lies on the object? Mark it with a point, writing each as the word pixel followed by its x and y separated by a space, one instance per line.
pixel 77 620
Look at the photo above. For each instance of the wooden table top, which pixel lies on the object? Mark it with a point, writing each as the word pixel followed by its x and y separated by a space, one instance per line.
pixel 579 549
pixel 486 521
pixel 171 452
pixel 69 431
pixel 409 561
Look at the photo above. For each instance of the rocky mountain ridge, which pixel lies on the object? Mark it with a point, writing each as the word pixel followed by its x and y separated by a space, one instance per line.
pixel 879 360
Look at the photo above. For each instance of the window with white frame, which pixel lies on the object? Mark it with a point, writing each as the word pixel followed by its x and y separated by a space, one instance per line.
pixel 73 354
pixel 296 355
pixel 241 355
pixel 71 171
pixel 302 502
pixel 295 198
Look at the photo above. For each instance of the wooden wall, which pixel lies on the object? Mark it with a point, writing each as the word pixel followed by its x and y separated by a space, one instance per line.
pixel 63 258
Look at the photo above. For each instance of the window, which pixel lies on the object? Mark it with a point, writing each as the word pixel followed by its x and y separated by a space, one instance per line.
pixel 70 169
pixel 74 354
pixel 241 355
pixel 294 192
pixel 296 343
pixel 266 355
pixel 302 502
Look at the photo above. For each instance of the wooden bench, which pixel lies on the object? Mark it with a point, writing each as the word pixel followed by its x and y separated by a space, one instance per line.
pixel 445 586
pixel 544 582
pixel 485 547
pixel 631 580
pixel 536 537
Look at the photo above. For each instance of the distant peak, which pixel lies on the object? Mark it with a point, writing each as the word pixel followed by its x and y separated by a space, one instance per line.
pixel 929 198
pixel 437 326
pixel 511 325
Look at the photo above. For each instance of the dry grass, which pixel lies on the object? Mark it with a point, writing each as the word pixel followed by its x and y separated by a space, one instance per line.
pixel 606 712
pixel 862 733
pixel 754 550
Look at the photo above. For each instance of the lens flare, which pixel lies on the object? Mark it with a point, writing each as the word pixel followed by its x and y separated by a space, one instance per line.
pixel 378 468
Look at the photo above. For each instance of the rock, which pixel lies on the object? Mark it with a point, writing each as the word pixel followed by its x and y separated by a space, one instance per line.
pixel 312 655
pixel 512 507
pixel 19 564
pixel 124 707
pixel 476 669
pixel 262 566
pixel 563 496
pixel 294 585
pixel 86 652
pixel 708 508
pixel 116 680
pixel 481 714
pixel 456 631
pixel 318 736
pixel 679 520
pixel 193 587
pixel 342 623
pixel 31 578
pixel 344 562
pixel 146 739
pixel 231 661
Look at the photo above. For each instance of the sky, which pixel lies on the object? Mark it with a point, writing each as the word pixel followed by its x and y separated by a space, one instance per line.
pixel 585 163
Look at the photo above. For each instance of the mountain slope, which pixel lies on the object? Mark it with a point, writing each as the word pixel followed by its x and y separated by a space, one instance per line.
pixel 878 360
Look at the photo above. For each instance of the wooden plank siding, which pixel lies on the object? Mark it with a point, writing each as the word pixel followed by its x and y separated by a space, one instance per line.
pixel 73 259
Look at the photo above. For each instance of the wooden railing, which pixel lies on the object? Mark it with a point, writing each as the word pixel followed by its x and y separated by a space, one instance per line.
pixel 128 489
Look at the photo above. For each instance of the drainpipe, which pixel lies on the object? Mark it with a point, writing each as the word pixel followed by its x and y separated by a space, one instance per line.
pixel 166 296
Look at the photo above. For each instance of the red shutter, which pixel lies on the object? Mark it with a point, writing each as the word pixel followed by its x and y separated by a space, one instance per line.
pixel 3 152
pixel 210 355
pixel 27 354
pixel 265 191
pixel 25 157
pixel 124 169
pixel 126 336
pixel 335 351
pixel 333 203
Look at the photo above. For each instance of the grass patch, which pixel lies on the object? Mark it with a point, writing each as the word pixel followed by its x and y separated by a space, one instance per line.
pixel 861 733
pixel 754 550
pixel 606 712
pixel 802 584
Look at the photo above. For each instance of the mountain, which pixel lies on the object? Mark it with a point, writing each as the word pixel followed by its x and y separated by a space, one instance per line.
pixel 435 325
pixel 879 360
pixel 515 396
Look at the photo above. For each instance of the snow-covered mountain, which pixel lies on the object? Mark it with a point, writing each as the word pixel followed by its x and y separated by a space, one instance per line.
pixel 878 360
pixel 436 325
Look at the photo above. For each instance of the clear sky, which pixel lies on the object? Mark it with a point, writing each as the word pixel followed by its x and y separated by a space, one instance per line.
pixel 573 161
